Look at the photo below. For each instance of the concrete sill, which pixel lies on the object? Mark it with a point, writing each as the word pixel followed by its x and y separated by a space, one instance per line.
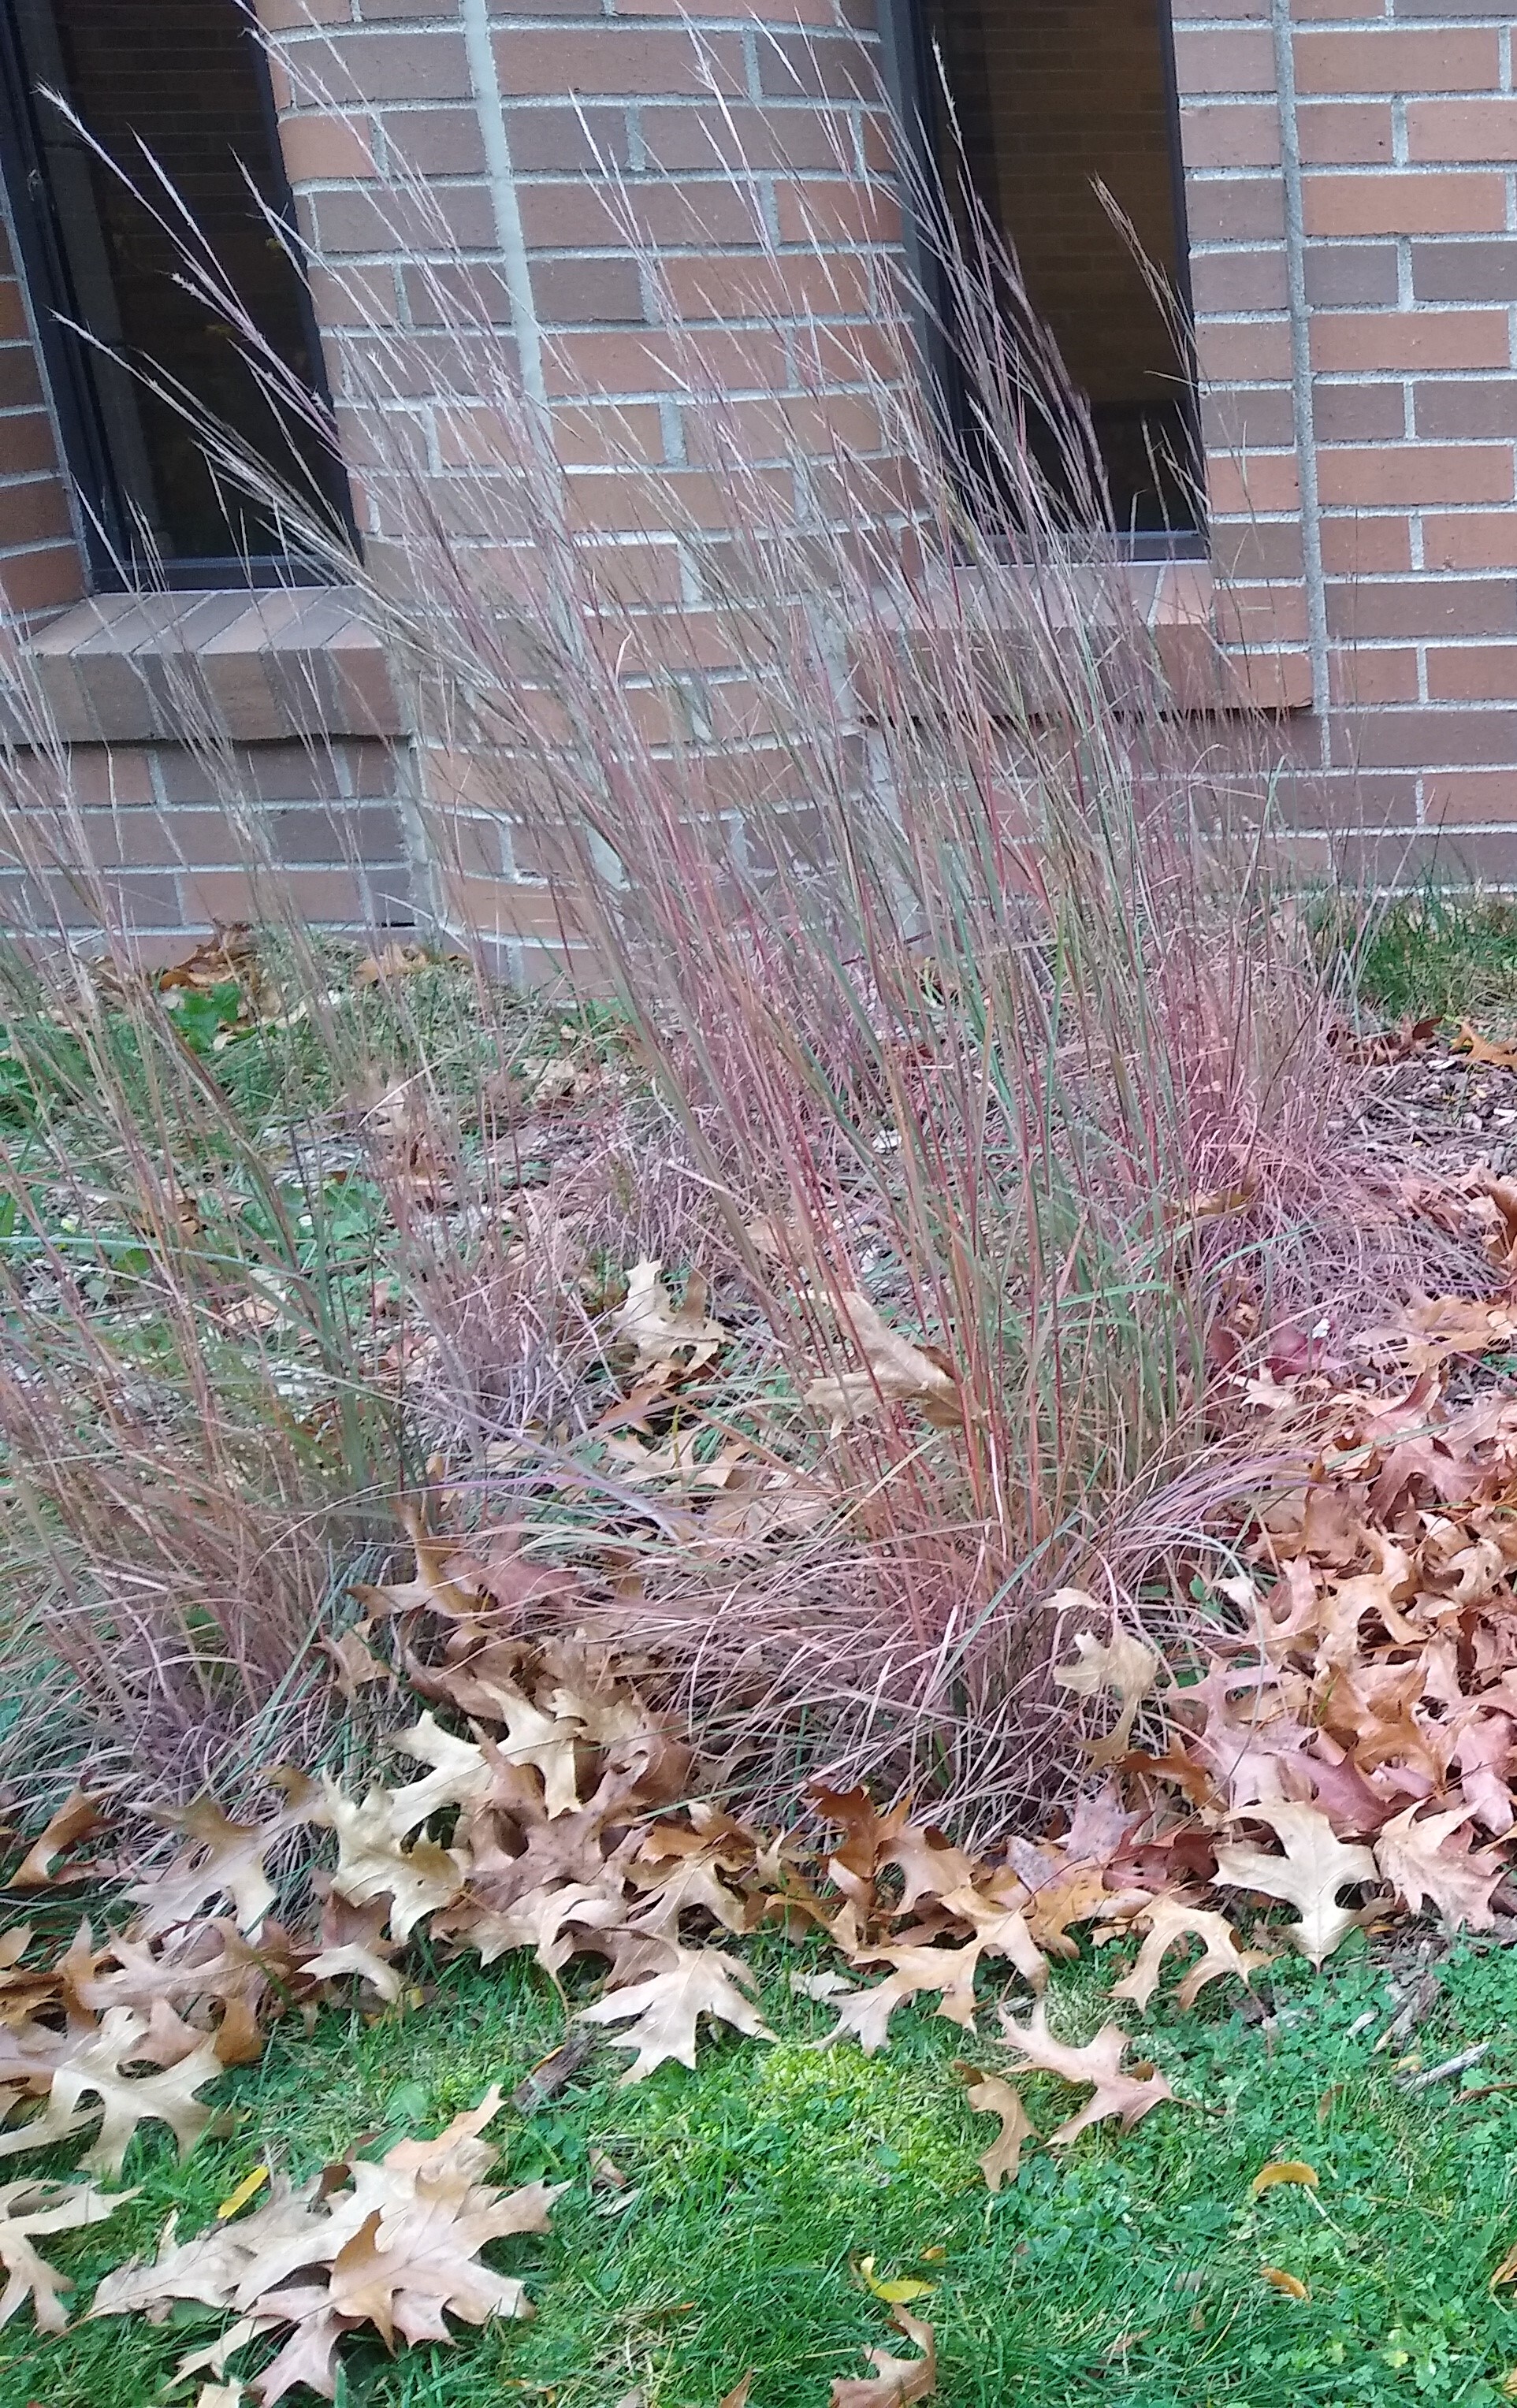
pixel 249 668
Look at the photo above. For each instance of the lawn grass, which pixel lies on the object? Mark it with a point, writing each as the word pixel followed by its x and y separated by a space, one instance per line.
pixel 1444 954
pixel 1127 2269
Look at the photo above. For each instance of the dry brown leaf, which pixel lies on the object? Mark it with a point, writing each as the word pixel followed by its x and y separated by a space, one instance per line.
pixel 372 1863
pixel 28 2208
pixel 666 1336
pixel 1169 1920
pixel 1098 2062
pixel 224 1860
pixel 896 2381
pixel 1425 1859
pixel 664 2009
pixel 866 2014
pixel 1484 1050
pixel 990 2093
pixel 78 1818
pixel 899 1371
pixel 1290 2285
pixel 1284 2169
pixel 91 2067
pixel 1121 1665
pixel 356 1663
pixel 1313 1868
pixel 394 2244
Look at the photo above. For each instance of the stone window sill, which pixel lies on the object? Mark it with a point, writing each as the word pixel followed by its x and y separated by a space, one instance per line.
pixel 259 667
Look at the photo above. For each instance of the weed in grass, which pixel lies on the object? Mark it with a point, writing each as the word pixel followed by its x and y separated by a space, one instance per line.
pixel 1127 2269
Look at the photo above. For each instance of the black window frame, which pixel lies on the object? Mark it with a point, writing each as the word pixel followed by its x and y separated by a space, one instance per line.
pixel 911 76
pixel 104 523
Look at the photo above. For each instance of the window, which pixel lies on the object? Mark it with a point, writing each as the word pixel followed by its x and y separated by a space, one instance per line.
pixel 187 79
pixel 1053 99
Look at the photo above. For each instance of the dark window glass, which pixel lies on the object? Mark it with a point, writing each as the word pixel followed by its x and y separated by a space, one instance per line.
pixel 1054 99
pixel 186 78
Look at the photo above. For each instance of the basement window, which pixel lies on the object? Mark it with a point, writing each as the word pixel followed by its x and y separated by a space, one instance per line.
pixel 1055 99
pixel 186 79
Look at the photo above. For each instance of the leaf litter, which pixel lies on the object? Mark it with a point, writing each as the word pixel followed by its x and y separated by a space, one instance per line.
pixel 1338 1738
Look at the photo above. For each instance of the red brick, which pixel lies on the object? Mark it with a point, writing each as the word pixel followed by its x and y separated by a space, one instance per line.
pixel 1235 209
pixel 1395 61
pixel 1408 474
pixel 1372 674
pixel 1346 134
pixel 1242 352
pixel 1226 282
pixel 41 581
pixel 1376 203
pixel 1234 134
pixel 1422 606
pixel 1458 797
pixel 1462 129
pixel 1367 547
pixel 1267 481
pixel 625 59
pixel 1224 62
pixel 32 512
pixel 1472 673
pixel 1458 738
pixel 1406 340
pixel 326 149
pixel 1472 539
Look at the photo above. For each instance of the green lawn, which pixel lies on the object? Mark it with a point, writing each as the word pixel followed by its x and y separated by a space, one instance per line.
pixel 1127 2270
pixel 1443 953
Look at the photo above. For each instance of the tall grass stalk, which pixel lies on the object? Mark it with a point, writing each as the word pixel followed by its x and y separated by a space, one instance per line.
pixel 946 933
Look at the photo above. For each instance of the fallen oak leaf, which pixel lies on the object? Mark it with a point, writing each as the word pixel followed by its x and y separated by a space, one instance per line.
pixel 1121 1664
pixel 1314 1867
pixel 29 2207
pixel 664 2010
pixel 1115 2093
pixel 897 2381
pixel 76 1819
pixel 899 1371
pixel 664 1335
pixel 990 2093
pixel 866 2014
pixel 1170 1920
pixel 91 2067
pixel 1480 1049
pixel 1423 1859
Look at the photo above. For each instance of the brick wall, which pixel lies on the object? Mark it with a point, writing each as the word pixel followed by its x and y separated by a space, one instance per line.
pixel 41 569
pixel 1390 401
pixel 582 166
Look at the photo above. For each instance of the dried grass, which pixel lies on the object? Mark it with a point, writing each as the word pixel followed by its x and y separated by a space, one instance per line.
pixel 949 941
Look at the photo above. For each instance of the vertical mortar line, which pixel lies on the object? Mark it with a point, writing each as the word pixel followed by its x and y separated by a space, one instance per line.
pixel 1305 432
pixel 504 202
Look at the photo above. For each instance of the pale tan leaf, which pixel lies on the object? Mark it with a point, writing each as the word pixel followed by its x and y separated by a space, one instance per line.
pixel 28 2208
pixel 1121 1665
pixel 662 1333
pixel 866 2014
pixel 897 1371
pixel 1314 1867
pixel 224 1860
pixel 1098 2062
pixel 896 2381
pixel 394 2244
pixel 1170 1920
pixel 664 2010
pixel 78 1818
pixel 989 2094
pixel 92 2067
pixel 1425 1860
pixel 372 1863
